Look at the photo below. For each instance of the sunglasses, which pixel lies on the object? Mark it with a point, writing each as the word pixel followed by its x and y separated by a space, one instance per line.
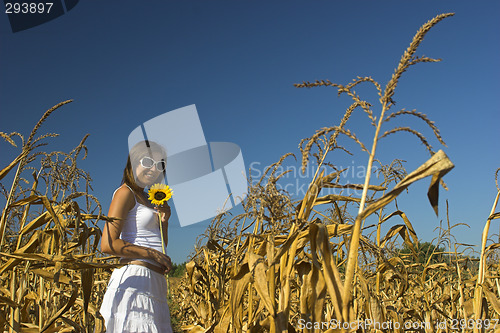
pixel 148 162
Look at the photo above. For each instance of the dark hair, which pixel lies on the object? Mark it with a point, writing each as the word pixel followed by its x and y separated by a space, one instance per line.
pixel 138 151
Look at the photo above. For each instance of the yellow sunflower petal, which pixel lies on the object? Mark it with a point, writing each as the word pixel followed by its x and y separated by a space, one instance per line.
pixel 159 194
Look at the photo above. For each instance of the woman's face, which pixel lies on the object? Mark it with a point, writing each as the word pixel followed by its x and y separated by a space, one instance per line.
pixel 145 176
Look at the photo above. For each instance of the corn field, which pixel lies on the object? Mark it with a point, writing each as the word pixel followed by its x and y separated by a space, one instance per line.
pixel 52 274
pixel 284 265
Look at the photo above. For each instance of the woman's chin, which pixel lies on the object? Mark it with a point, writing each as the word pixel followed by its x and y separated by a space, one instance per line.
pixel 143 184
pixel 145 181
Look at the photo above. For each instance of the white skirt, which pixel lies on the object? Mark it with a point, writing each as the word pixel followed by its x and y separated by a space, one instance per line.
pixel 136 301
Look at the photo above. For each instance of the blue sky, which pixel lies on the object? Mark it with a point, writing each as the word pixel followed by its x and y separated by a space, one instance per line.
pixel 125 62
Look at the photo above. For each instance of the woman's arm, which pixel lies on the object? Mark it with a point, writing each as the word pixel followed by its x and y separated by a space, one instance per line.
pixel 122 203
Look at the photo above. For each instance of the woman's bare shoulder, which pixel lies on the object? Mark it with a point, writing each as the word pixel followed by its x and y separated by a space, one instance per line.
pixel 124 196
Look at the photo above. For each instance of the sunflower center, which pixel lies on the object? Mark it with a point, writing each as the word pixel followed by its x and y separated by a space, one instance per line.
pixel 160 196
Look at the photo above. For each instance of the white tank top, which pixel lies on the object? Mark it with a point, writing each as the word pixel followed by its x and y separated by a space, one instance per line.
pixel 141 227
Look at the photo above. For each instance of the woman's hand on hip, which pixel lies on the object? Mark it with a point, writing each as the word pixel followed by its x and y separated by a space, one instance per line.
pixel 162 259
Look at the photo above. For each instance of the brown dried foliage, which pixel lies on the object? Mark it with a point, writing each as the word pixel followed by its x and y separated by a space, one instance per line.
pixel 284 263
pixel 52 276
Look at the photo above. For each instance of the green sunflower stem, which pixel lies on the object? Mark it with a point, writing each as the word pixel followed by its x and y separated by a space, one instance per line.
pixel 161 234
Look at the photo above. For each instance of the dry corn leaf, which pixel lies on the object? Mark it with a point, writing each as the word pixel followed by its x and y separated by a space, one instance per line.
pixel 356 186
pixel 87 279
pixel 326 180
pixel 437 166
pixel 193 328
pixel 48 275
pixel 32 199
pixel 303 269
pixel 37 222
pixel 12 164
pixel 333 281
pixel 225 321
pixel 402 230
pixel 494 216
pixel 492 247
pixel 310 197
pixel 63 310
pixel 9 302
pixel 292 237
pixel 32 328
pixel 30 246
pixel 330 198
pixel 318 283
pixel 493 299
pixel 407 222
pixel 258 269
pixel 73 326
pixel 432 267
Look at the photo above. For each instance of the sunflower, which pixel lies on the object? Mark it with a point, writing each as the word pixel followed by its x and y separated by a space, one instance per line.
pixel 159 194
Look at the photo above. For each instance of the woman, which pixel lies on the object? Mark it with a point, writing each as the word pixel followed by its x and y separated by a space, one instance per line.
pixel 136 297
